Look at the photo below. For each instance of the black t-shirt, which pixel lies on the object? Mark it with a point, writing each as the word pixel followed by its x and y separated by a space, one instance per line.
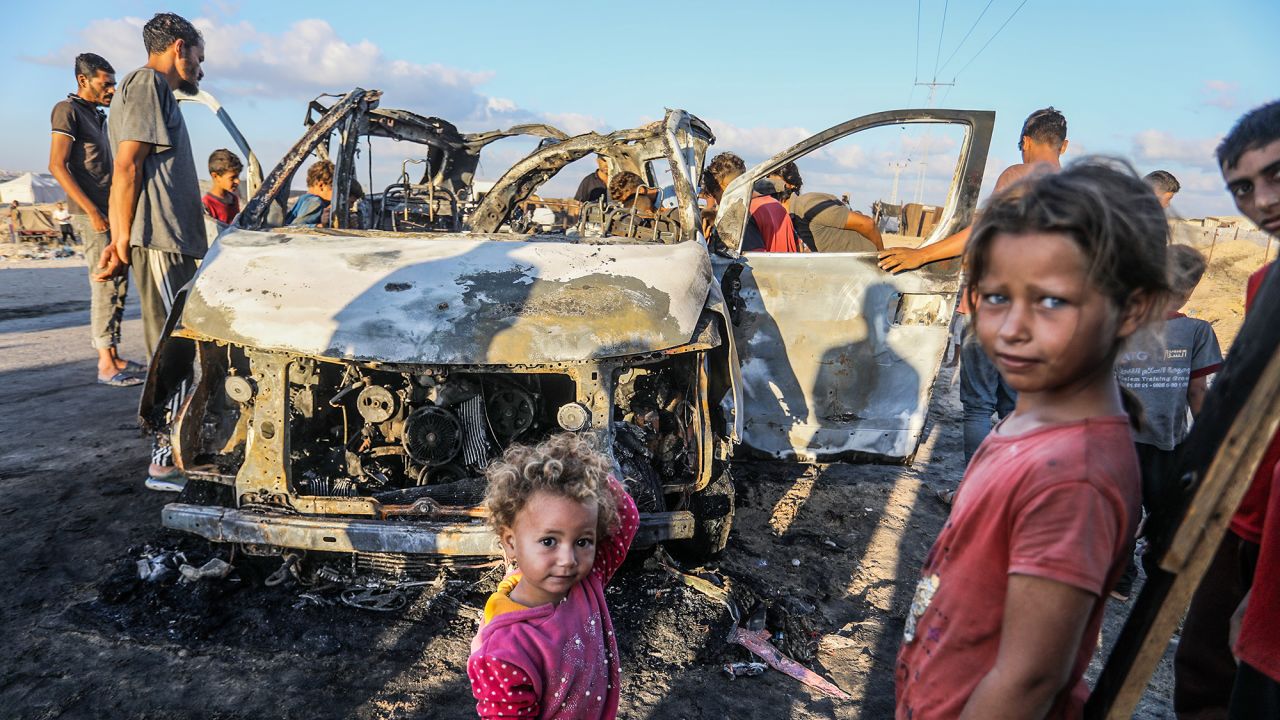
pixel 591 188
pixel 90 159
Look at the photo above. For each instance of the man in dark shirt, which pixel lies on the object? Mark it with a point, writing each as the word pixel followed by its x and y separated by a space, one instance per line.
pixel 768 227
pixel 80 160
pixel 595 185
pixel 157 221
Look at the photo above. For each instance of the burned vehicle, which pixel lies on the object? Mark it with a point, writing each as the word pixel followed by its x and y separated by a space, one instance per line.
pixel 340 389
pixel 349 383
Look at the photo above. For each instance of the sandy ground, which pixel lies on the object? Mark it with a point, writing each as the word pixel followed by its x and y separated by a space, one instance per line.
pixel 1219 298
pixel 831 551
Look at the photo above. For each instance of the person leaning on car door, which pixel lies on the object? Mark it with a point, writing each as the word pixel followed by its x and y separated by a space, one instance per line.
pixel 157 221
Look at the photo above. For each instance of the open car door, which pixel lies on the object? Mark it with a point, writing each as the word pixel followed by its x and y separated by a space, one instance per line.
pixel 201 97
pixel 839 357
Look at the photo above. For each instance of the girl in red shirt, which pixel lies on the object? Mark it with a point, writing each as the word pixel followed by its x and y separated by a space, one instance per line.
pixel 1063 268
pixel 546 648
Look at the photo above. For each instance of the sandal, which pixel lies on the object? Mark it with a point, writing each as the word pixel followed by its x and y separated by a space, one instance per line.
pixel 121 379
pixel 134 368
pixel 172 481
pixel 945 496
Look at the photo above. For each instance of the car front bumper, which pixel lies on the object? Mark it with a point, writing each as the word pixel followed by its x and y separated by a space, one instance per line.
pixel 347 535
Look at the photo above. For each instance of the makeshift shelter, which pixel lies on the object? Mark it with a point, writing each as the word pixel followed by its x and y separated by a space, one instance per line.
pixel 30 188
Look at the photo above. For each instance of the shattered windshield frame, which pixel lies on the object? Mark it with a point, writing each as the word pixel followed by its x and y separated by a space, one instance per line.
pixel 443 197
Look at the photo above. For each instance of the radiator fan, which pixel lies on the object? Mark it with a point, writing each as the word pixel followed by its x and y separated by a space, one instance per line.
pixel 432 435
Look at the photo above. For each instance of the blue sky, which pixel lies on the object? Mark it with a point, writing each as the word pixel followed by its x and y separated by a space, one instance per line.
pixel 1156 82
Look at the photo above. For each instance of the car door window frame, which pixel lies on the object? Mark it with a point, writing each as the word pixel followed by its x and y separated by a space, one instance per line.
pixel 731 216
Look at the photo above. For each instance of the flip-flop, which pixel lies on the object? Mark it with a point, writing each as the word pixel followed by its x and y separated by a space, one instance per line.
pixel 134 368
pixel 121 379
pixel 172 481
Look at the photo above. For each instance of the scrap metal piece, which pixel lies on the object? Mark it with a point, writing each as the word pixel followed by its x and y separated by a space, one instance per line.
pixel 758 643
pixel 743 669
pixel 379 599
pixel 215 568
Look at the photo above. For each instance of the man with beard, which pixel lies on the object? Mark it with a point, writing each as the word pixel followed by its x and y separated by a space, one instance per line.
pixel 157 223
pixel 80 160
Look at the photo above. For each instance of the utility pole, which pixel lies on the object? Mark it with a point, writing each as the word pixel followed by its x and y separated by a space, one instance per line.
pixel 897 168
pixel 924 161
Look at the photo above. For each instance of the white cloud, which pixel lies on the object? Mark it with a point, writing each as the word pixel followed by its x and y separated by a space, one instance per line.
pixel 757 143
pixel 846 156
pixel 303 61
pixel 576 123
pixel 500 105
pixel 1158 146
pixel 1220 94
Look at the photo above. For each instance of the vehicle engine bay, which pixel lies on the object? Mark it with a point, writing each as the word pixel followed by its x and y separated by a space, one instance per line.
pixel 355 430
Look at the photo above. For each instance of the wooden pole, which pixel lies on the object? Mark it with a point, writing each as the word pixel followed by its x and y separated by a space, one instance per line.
pixel 1211 245
pixel 1240 415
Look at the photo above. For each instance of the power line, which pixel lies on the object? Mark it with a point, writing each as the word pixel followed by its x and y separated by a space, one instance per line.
pixel 993 37
pixel 947 94
pixel 916 79
pixel 941 31
pixel 972 27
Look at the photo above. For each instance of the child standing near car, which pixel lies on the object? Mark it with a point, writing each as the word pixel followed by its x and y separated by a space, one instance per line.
pixel 222 202
pixel 1169 373
pixel 1063 268
pixel 546 647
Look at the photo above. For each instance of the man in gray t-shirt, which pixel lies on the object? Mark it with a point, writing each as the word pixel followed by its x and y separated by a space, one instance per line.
pixel 168 215
pixel 157 222
pixel 827 225
pixel 822 222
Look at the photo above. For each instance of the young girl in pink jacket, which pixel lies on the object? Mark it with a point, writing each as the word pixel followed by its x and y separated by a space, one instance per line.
pixel 546 647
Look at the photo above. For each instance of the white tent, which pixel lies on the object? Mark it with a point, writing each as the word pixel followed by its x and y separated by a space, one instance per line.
pixel 30 188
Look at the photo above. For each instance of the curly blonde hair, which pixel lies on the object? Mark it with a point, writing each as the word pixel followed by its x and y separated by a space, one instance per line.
pixel 566 464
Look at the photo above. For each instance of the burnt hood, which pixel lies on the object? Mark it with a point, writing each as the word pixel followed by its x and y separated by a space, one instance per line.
pixel 456 299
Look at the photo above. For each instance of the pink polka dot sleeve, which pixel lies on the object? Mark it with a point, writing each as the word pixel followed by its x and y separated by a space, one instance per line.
pixel 611 553
pixel 501 689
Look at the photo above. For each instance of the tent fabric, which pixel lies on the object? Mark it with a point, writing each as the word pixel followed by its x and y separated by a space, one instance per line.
pixel 31 188
pixel 35 219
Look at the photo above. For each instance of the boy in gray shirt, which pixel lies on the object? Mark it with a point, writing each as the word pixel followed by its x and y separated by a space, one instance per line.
pixel 1170 376
pixel 157 221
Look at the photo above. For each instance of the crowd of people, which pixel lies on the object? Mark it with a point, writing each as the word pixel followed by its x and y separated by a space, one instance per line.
pixel 1074 293
pixel 1076 349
